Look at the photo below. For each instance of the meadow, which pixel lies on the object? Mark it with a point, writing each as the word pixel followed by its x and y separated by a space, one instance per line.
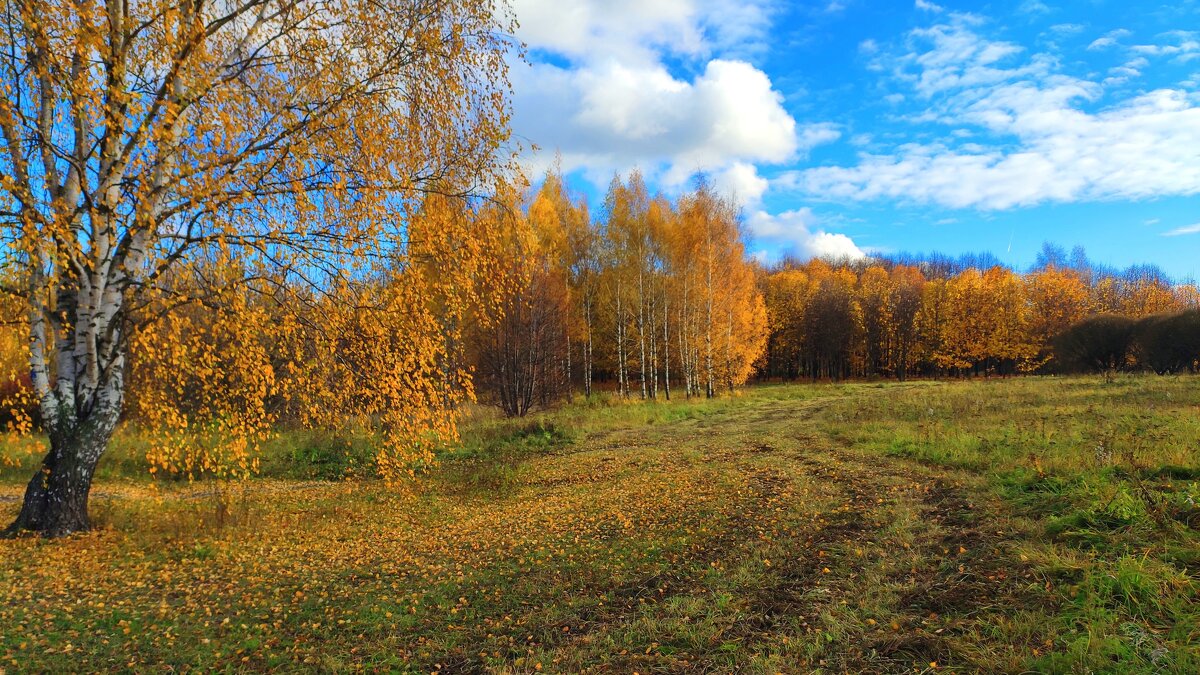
pixel 1003 525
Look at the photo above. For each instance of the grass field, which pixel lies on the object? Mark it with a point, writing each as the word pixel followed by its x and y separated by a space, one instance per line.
pixel 1035 524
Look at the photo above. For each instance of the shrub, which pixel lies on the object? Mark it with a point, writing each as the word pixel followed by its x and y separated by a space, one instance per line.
pixel 1098 344
pixel 1168 343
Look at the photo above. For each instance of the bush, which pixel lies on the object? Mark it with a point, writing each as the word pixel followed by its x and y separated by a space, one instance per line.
pixel 1168 343
pixel 1098 344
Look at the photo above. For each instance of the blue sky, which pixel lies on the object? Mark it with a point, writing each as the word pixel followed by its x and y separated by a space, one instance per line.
pixel 851 127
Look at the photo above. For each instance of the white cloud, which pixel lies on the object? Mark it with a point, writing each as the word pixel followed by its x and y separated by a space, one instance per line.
pixel 1187 229
pixel 606 99
pixel 741 181
pixel 1168 50
pixel 797 232
pixel 637 30
pixel 613 116
pixel 1034 7
pixel 1067 28
pixel 827 245
pixel 1109 39
pixel 1044 146
pixel 926 6
pixel 1123 73
pixel 812 135
pixel 1185 47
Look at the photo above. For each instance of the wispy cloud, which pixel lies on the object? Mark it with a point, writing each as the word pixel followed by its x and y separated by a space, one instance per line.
pixel 1183 46
pixel 926 6
pixel 1109 39
pixel 1180 231
pixel 1067 28
pixel 1051 143
pixel 1034 7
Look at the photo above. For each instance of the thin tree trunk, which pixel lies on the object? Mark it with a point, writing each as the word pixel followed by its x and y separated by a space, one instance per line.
pixel 729 351
pixel 641 325
pixel 708 343
pixel 653 333
pixel 683 346
pixel 587 354
pixel 567 339
pixel 624 391
pixel 666 351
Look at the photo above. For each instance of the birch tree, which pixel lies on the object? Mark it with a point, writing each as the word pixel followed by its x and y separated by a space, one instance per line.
pixel 138 136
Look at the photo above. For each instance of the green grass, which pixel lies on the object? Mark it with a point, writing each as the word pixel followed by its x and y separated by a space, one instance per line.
pixel 1036 524
pixel 1107 472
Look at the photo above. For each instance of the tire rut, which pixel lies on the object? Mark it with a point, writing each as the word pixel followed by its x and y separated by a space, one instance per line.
pixel 966 573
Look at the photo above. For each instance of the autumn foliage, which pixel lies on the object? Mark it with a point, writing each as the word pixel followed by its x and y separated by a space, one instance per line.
pixel 896 318
pixel 652 296
pixel 382 354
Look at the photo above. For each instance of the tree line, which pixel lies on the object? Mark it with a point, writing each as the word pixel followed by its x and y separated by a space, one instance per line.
pixel 939 316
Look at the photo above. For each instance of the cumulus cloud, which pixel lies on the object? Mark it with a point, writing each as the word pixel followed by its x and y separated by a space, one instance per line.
pixel 798 233
pixel 600 91
pixel 614 116
pixel 1048 146
pixel 741 181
